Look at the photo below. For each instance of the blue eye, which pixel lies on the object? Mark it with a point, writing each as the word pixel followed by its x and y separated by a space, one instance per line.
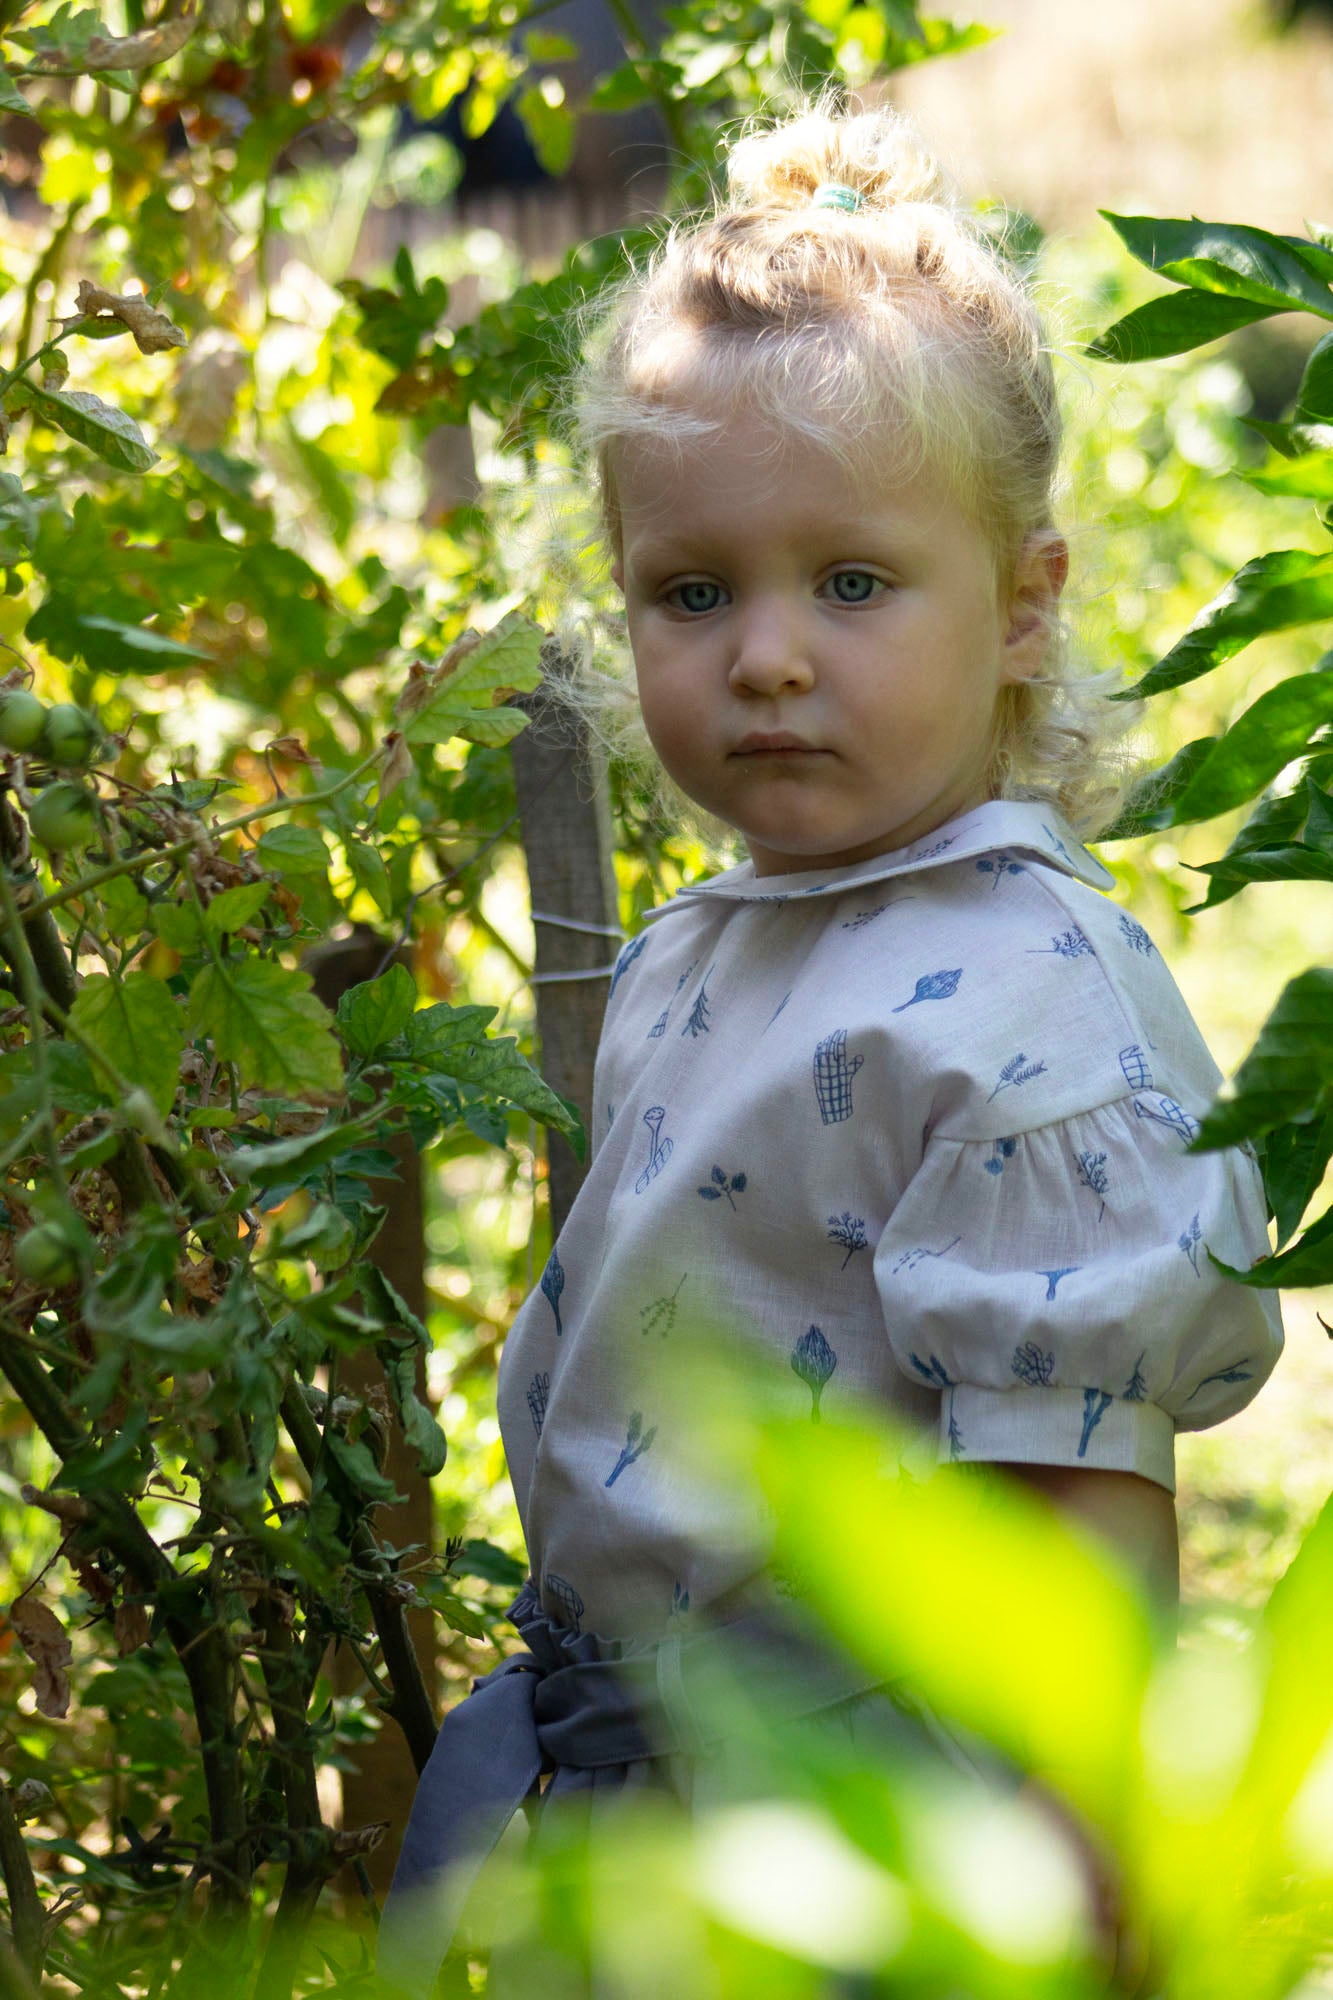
pixel 695 596
pixel 853 586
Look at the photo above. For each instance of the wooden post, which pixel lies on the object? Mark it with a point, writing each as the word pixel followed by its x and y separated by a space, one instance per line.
pixel 565 814
pixel 382 1781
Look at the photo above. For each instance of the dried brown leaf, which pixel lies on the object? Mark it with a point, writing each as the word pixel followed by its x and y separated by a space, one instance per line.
pixel 45 1641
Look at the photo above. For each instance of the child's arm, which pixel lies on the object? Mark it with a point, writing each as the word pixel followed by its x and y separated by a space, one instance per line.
pixel 1136 1515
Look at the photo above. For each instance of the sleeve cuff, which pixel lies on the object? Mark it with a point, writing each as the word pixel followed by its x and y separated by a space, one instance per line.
pixel 1059 1427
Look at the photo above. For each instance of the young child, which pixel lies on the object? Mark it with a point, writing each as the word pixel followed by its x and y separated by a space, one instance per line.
pixel 902 1102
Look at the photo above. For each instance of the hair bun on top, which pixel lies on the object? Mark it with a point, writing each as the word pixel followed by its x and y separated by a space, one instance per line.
pixel 878 154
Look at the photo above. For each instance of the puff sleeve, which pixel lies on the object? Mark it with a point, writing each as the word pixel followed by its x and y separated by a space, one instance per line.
pixel 1056 1287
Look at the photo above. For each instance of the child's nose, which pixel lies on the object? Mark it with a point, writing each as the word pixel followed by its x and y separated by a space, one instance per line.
pixel 771 656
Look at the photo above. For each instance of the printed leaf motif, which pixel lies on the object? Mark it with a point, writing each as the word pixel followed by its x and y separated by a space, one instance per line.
pixel 454 701
pixel 553 1284
pixel 997 866
pixel 634 949
pixel 933 1372
pixel 1189 1240
pixel 539 1392
pixel 1092 1174
pixel 1017 1070
pixel 1001 1150
pixel 659 1152
pixel 933 986
pixel 848 1231
pixel 264 1018
pixel 696 1022
pixel 1033 1366
pixel 814 1361
pixel 1136 1388
pixel 1069 944
pixel 137 1025
pixel 1135 936
pixel 660 1316
pixel 724 1186
pixel 637 1441
pixel 377 1011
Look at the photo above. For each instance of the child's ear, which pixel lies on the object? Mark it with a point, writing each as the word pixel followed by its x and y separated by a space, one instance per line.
pixel 1043 566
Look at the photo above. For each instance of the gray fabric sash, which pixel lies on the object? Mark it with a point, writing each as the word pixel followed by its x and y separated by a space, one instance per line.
pixel 588 1714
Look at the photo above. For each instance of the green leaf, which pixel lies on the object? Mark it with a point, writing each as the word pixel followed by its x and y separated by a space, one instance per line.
pixel 399 1361
pixel 449 1040
pixel 1295 1159
pixel 550 125
pixel 295 1159
pixel 1308 476
pixel 461 1617
pixel 264 1018
pixel 325 1236
pixel 137 1025
pixel 1275 271
pixel 111 433
pixel 126 908
pixel 509 656
pixel 1309 1262
pixel 1287 1075
pixel 11 98
pixel 1296 861
pixel 1269 594
pixel 369 873
pixel 233 909
pixel 377 1011
pixel 1271 734
pixel 142 639
pixel 292 850
pixel 491 1564
pixel 1152 803
pixel 1314 398
pixel 1173 325
pixel 1275 822
pixel 353 1459
pixel 178 925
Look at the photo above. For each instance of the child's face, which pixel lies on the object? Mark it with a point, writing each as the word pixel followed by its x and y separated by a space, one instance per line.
pixel 818 658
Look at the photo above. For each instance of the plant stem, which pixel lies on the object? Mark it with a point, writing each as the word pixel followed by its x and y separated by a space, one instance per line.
pixel 25 1905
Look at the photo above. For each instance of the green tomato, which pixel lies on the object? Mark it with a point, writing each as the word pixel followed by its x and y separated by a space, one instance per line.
pixel 45 1256
pixel 63 815
pixel 22 718
pixel 70 737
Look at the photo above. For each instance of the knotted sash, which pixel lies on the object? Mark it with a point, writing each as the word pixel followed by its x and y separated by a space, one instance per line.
pixel 588 1714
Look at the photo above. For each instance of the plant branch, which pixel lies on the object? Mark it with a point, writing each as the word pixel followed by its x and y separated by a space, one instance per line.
pixel 25 1905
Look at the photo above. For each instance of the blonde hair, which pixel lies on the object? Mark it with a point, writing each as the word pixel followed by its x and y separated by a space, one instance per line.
pixel 895 333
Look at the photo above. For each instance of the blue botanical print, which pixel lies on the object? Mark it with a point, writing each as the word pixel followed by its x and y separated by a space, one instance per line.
pixel 1053 1277
pixel 1189 1240
pixel 1069 944
pixel 660 1315
pixel 1238 1372
pixel 934 1372
pixel 564 1594
pixel 660 1149
pixel 610 1116
pixel 626 960
pixel 848 1231
pixel 637 1441
pixel 680 1604
pixel 1134 1064
pixel 553 1283
pixel 933 986
pixel 864 917
pixel 814 1361
pixel 1096 1403
pixel 998 866
pixel 1136 937
pixel 1001 1150
pixel 909 1259
pixel 539 1390
pixel 659 1027
pixel 1032 1366
pixel 697 1022
pixel 1093 1175
pixel 834 1070
pixel 1168 1112
pixel 1017 1070
pixel 940 847
pixel 776 1011
pixel 1136 1388
pixel 721 1186
pixel 956 1445
pixel 1057 845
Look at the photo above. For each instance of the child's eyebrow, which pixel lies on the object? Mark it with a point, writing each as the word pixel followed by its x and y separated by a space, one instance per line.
pixel 848 538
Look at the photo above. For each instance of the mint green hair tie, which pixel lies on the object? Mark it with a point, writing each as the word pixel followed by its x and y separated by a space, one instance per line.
pixel 832 194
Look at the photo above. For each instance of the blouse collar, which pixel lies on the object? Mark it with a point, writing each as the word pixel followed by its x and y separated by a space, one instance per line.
pixel 995 828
